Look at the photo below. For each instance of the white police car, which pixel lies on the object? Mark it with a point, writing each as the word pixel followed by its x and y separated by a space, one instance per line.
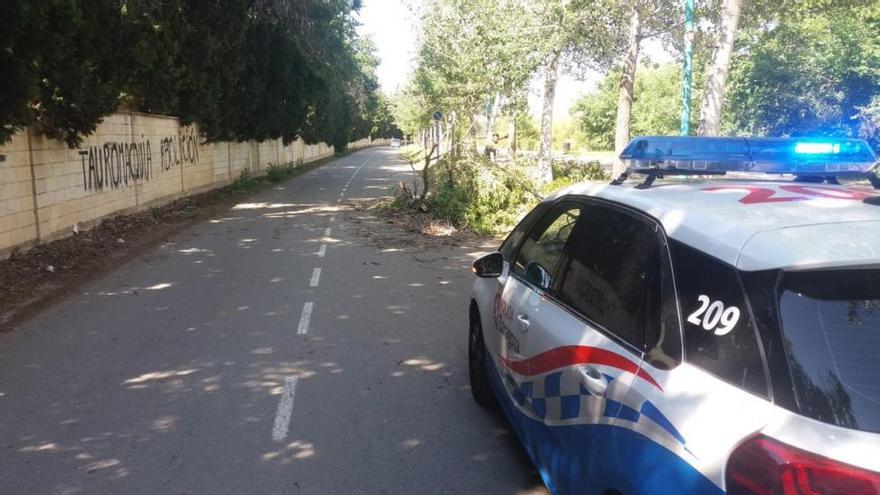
pixel 693 336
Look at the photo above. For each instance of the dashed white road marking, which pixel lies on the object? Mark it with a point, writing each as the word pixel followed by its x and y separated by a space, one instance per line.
pixel 285 410
pixel 316 277
pixel 339 200
pixel 304 320
pixel 322 251
pixel 327 232
pixel 332 218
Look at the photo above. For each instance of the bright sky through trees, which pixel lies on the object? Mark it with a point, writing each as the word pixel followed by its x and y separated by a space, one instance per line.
pixel 391 26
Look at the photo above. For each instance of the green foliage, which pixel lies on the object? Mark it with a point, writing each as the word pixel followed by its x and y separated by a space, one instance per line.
pixel 277 173
pixel 809 74
pixel 869 120
pixel 567 131
pixel 571 172
pixel 470 53
pixel 527 132
pixel 490 199
pixel 656 106
pixel 245 182
pixel 241 69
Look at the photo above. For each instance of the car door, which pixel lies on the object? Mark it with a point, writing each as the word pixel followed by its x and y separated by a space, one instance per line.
pixel 585 345
pixel 623 254
pixel 524 283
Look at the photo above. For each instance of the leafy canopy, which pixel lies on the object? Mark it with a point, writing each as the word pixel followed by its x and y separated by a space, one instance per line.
pixel 241 69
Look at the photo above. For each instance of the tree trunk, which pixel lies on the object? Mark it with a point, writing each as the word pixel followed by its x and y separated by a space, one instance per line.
pixel 472 132
pixel 452 145
pixel 713 95
pixel 545 150
pixel 511 135
pixel 426 178
pixel 491 118
pixel 625 91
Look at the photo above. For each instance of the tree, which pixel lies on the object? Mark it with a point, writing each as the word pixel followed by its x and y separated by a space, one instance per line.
pixel 816 73
pixel 471 57
pixel 647 18
pixel 627 81
pixel 656 106
pixel 241 69
pixel 545 148
pixel 713 96
pixel 577 36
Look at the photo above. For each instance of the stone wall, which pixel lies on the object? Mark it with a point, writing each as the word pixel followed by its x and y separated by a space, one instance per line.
pixel 131 161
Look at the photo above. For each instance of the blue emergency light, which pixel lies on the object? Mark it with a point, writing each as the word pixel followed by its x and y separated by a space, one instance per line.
pixel 682 155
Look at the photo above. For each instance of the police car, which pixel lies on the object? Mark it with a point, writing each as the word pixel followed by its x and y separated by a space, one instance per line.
pixel 692 335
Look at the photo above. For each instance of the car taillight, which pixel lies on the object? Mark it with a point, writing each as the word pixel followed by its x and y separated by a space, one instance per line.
pixel 763 466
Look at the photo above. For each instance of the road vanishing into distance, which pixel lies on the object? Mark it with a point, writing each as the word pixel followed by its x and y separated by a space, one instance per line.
pixel 271 350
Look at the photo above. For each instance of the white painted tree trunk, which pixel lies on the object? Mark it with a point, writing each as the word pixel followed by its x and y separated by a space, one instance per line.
pixel 713 94
pixel 625 91
pixel 511 135
pixel 545 150
pixel 492 117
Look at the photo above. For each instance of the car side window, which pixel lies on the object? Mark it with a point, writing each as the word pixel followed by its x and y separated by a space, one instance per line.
pixel 516 235
pixel 663 326
pixel 541 251
pixel 610 272
pixel 719 332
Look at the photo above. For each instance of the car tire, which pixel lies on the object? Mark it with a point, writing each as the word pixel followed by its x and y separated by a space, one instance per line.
pixel 477 371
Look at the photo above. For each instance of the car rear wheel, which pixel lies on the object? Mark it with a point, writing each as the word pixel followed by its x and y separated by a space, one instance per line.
pixel 478 373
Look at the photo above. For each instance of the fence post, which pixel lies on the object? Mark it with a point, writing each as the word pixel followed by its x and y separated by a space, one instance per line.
pixel 33 185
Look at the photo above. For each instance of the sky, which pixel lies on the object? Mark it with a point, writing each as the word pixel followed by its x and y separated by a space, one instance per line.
pixel 392 27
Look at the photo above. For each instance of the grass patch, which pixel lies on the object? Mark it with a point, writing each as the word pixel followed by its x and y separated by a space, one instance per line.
pixel 245 182
pixel 277 173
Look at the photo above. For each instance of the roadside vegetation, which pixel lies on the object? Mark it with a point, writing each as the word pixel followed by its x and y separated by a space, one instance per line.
pixel 759 67
pixel 470 191
pixel 241 70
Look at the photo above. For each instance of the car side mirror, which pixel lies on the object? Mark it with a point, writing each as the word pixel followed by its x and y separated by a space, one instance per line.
pixel 489 266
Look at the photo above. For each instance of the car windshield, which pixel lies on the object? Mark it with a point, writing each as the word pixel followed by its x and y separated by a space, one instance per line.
pixel 831 324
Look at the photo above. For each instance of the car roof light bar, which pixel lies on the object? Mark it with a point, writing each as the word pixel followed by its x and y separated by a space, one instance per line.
pixel 811 158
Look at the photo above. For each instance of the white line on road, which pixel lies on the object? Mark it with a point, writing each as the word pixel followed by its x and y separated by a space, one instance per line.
pixel 303 327
pixel 339 200
pixel 332 218
pixel 285 409
pixel 327 232
pixel 322 251
pixel 316 277
pixel 362 166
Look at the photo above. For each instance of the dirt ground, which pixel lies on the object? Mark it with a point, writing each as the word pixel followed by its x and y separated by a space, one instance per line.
pixel 31 280
pixel 385 228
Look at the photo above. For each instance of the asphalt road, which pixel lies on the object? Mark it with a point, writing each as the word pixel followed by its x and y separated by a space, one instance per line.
pixel 271 350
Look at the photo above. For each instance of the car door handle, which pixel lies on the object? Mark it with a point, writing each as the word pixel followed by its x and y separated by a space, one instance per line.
pixel 594 381
pixel 523 322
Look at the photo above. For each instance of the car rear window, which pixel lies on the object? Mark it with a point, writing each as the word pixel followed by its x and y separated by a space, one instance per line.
pixel 831 326
pixel 719 332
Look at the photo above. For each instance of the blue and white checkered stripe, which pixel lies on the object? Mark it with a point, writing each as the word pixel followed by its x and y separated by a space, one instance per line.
pixel 559 398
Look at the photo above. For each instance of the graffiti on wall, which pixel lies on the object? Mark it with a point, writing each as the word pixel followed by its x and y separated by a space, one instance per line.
pixel 115 164
pixel 182 149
